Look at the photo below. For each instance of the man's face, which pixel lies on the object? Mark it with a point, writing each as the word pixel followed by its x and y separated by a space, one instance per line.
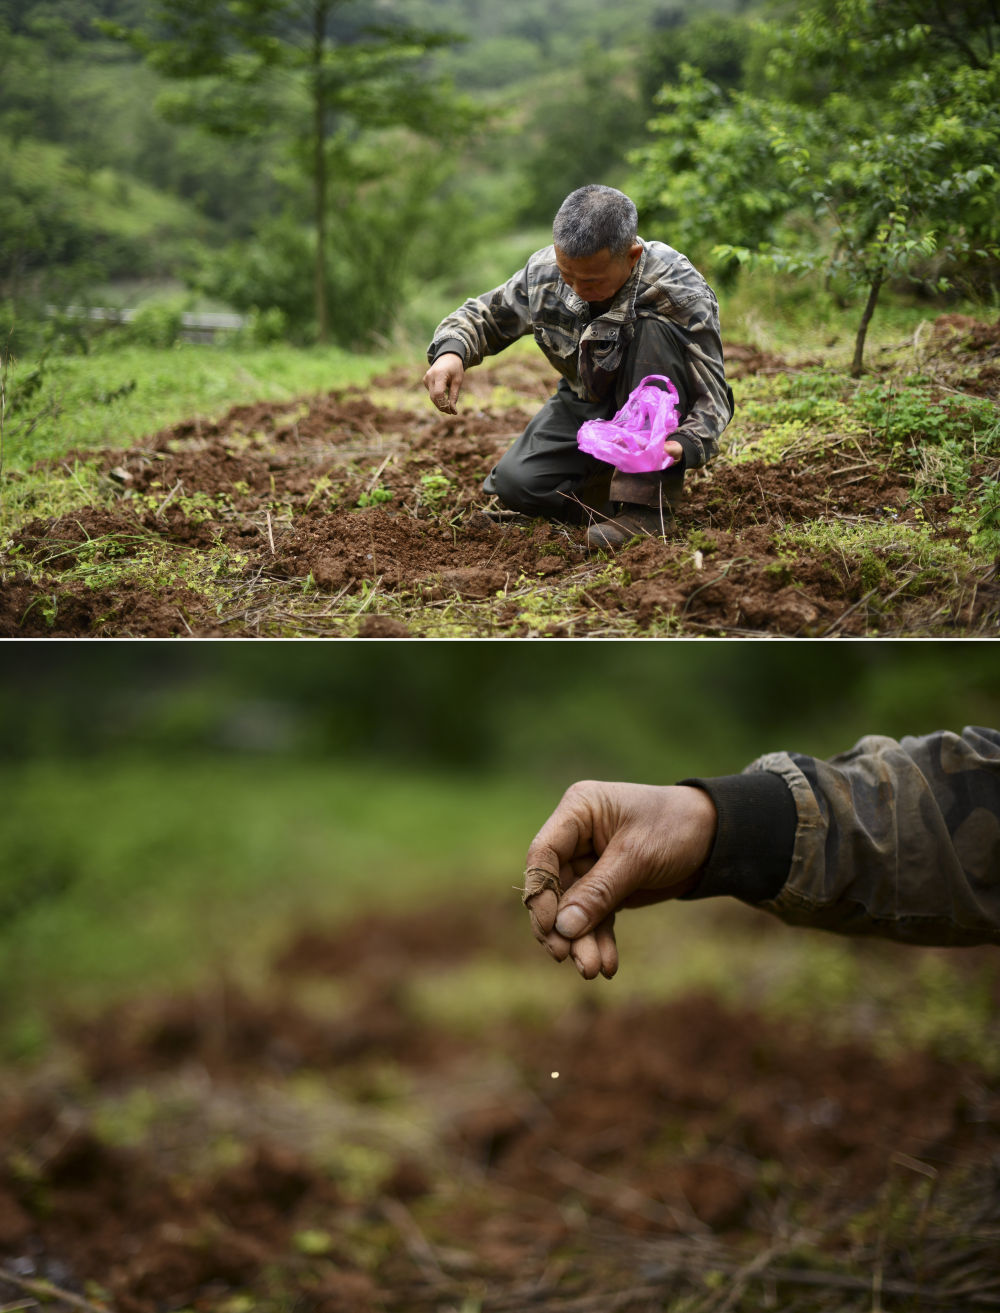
pixel 597 277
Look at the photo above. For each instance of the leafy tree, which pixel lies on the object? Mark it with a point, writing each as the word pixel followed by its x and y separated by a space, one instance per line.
pixel 870 152
pixel 717 44
pixel 307 72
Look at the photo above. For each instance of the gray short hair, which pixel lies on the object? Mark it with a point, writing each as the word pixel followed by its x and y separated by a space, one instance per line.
pixel 593 219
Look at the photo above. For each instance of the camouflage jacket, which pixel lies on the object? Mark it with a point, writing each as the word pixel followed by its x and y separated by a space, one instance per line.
pixel 664 284
pixel 899 839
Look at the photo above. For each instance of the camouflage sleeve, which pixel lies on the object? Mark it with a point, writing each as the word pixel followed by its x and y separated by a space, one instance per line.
pixel 894 838
pixel 485 324
pixel 712 406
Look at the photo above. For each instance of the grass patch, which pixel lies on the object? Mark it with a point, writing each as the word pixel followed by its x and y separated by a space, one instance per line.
pixel 114 397
pixel 884 553
pixel 779 415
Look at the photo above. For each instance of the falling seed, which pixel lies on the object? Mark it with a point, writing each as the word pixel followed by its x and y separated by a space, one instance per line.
pixel 555 1075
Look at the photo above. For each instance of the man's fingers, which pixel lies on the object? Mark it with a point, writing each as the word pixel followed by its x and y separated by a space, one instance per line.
pixel 542 910
pixel 556 843
pixel 443 386
pixel 608 946
pixel 596 953
pixel 586 953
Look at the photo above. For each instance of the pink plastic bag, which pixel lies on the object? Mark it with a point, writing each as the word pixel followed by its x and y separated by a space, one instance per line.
pixel 633 440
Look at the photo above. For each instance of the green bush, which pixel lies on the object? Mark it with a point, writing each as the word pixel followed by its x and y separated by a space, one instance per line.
pixel 271 274
pixel 264 327
pixel 156 324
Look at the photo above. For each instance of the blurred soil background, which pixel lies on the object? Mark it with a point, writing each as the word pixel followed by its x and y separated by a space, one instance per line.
pixel 275 1034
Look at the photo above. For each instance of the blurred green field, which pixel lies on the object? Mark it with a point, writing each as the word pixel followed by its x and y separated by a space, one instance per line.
pixel 170 817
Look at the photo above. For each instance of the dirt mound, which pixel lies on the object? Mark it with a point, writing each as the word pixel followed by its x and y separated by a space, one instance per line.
pixel 384 946
pixel 343 549
pixel 742 360
pixel 970 346
pixel 77 610
pixel 226 1032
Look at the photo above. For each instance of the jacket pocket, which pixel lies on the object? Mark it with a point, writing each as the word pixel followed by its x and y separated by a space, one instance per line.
pixel 556 345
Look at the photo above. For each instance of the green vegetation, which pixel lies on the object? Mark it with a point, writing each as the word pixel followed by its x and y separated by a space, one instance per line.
pixel 858 145
pixel 219 883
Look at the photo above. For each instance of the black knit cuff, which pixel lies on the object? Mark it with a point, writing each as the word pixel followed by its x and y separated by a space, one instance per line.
pixel 450 346
pixel 691 448
pixel 755 837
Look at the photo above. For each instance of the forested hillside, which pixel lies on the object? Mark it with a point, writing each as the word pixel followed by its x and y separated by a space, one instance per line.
pixel 336 168
pixel 121 160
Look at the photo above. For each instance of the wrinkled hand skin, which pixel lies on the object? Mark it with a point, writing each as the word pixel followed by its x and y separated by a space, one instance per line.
pixel 443 382
pixel 614 845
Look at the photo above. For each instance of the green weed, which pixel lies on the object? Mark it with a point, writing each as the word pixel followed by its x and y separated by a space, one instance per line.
pixel 986 532
pixel 376 496
pixel 435 489
pixel 910 410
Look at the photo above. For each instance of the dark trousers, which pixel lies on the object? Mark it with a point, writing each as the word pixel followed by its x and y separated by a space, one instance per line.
pixel 545 472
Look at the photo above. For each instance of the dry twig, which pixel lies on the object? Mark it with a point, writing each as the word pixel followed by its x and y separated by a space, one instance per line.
pixel 47 1291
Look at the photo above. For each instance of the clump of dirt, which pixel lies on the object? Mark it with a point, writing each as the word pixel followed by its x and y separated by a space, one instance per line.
pixel 227 1032
pixel 742 583
pixel 794 492
pixel 73 1204
pixel 67 538
pixel 73 610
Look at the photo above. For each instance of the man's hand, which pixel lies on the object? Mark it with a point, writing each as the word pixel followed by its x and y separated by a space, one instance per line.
pixel 609 846
pixel 674 449
pixel 444 381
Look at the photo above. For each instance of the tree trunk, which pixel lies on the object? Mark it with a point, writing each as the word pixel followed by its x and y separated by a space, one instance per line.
pixel 857 364
pixel 320 12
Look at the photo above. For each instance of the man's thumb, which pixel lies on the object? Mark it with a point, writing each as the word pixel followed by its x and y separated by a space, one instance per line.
pixel 593 898
pixel 572 921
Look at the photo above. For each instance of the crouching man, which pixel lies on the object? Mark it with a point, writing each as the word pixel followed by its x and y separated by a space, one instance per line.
pixel 607 309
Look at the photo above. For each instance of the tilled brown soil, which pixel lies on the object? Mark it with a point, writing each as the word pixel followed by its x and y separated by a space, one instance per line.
pixel 284 500
pixel 229 1150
